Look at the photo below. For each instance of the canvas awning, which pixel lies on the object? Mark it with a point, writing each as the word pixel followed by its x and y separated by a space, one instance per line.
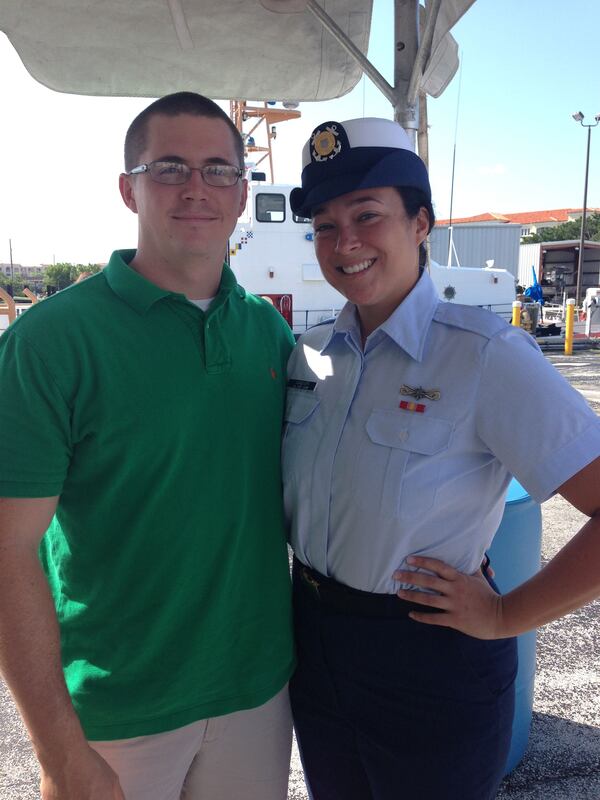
pixel 220 48
pixel 253 49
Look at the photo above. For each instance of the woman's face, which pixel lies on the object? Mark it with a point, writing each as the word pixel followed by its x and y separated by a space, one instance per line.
pixel 368 250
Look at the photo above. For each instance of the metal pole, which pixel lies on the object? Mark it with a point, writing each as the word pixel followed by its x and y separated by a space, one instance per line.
pixel 516 313
pixel 406 28
pixel 423 50
pixel 348 45
pixel 583 216
pixel 450 237
pixel 579 117
pixel 11 291
pixel 569 326
pixel 450 231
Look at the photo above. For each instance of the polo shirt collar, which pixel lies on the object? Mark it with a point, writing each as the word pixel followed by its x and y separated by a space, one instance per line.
pixel 228 284
pixel 407 326
pixel 141 294
pixel 137 291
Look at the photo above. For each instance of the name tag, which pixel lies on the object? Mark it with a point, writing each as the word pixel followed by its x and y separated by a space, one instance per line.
pixel 307 386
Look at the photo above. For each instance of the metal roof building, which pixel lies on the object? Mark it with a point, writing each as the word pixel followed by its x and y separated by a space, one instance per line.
pixel 477 244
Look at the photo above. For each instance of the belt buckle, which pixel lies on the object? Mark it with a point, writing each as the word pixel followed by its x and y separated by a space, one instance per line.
pixel 312 582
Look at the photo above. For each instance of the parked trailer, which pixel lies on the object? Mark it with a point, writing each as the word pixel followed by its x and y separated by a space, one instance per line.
pixel 556 265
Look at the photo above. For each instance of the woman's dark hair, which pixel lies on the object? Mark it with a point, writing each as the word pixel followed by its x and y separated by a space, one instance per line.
pixel 414 200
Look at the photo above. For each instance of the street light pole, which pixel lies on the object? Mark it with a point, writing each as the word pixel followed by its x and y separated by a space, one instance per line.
pixel 578 117
pixel 12 279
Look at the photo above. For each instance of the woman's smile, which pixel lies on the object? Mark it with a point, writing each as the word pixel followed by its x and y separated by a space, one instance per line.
pixel 360 267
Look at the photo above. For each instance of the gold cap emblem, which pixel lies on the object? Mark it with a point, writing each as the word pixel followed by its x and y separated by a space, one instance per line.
pixel 325 143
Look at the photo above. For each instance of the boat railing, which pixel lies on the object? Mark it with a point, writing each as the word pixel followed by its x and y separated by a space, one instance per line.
pixel 553 312
pixel 305 318
pixel 503 310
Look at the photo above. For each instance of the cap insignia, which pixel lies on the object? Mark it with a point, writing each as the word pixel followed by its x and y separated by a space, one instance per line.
pixel 325 143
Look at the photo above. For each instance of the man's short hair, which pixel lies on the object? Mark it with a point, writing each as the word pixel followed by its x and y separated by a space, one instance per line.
pixel 172 105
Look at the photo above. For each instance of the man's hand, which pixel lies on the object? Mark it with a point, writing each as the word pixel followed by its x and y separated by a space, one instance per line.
pixel 31 664
pixel 85 776
pixel 469 603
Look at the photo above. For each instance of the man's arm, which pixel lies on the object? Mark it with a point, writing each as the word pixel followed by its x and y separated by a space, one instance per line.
pixel 30 660
pixel 568 581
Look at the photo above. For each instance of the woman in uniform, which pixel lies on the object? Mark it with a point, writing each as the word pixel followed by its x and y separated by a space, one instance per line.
pixel 398 450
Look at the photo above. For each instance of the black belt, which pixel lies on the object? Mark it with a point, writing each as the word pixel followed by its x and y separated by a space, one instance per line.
pixel 346 600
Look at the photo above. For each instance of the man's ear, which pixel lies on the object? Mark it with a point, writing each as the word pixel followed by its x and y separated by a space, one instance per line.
pixel 244 197
pixel 422 225
pixel 127 193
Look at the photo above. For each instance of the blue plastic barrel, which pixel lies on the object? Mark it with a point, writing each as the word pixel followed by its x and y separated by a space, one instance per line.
pixel 515 556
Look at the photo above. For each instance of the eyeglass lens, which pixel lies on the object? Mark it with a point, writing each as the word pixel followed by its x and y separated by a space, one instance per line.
pixel 178 172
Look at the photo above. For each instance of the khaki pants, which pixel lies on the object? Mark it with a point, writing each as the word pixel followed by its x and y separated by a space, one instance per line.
pixel 239 756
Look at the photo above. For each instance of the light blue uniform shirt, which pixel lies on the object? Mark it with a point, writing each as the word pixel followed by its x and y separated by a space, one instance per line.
pixel 368 483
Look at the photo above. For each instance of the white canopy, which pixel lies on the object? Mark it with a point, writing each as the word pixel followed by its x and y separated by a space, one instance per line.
pixel 257 49
pixel 220 48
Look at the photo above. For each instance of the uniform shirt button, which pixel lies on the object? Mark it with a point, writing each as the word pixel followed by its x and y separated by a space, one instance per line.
pixel 403 435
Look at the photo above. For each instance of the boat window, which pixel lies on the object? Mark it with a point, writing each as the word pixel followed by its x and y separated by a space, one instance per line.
pixel 301 219
pixel 270 207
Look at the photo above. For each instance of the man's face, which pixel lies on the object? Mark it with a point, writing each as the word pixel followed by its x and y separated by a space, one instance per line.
pixel 190 221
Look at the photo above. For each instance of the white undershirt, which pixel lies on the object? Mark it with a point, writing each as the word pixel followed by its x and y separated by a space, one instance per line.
pixel 203 304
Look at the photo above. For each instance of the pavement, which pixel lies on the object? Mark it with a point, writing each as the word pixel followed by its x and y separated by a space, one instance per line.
pixel 562 761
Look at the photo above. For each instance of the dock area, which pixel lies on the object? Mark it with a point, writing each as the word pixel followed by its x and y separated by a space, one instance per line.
pixel 562 761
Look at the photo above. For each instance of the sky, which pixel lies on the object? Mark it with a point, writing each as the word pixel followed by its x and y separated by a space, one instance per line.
pixel 526 67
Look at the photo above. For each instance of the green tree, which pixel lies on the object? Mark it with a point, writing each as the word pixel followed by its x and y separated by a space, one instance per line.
pixel 89 269
pixel 568 230
pixel 60 275
pixel 16 284
pixel 64 274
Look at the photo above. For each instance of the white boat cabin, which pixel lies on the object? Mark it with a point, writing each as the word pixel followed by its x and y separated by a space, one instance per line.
pixel 272 254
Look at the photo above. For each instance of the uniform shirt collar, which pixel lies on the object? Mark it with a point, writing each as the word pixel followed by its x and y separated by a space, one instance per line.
pixel 407 326
pixel 141 294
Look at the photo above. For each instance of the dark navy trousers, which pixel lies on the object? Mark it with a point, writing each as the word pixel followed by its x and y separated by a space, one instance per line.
pixel 388 709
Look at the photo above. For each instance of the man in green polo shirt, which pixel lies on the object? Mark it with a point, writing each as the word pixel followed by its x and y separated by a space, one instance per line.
pixel 140 413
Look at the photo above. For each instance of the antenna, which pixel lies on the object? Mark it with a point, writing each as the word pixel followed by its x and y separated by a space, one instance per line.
pixel 450 236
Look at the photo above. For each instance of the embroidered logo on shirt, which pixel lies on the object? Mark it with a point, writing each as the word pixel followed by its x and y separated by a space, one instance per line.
pixel 419 393
pixel 273 374
pixel 308 386
pixel 418 407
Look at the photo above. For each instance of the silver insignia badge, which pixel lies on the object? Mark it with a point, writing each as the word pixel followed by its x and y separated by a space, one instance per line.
pixel 419 393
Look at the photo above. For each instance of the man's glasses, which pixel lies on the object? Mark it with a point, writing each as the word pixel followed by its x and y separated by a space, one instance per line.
pixel 175 172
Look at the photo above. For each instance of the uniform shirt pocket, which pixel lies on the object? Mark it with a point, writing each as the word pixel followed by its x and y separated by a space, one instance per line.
pixel 404 454
pixel 299 405
pixel 299 436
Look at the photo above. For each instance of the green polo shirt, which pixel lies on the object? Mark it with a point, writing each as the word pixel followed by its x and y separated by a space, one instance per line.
pixel 159 427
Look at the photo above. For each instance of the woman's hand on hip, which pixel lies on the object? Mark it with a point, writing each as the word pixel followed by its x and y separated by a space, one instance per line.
pixel 467 602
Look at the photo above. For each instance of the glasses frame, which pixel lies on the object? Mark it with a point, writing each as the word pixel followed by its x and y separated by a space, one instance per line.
pixel 142 168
